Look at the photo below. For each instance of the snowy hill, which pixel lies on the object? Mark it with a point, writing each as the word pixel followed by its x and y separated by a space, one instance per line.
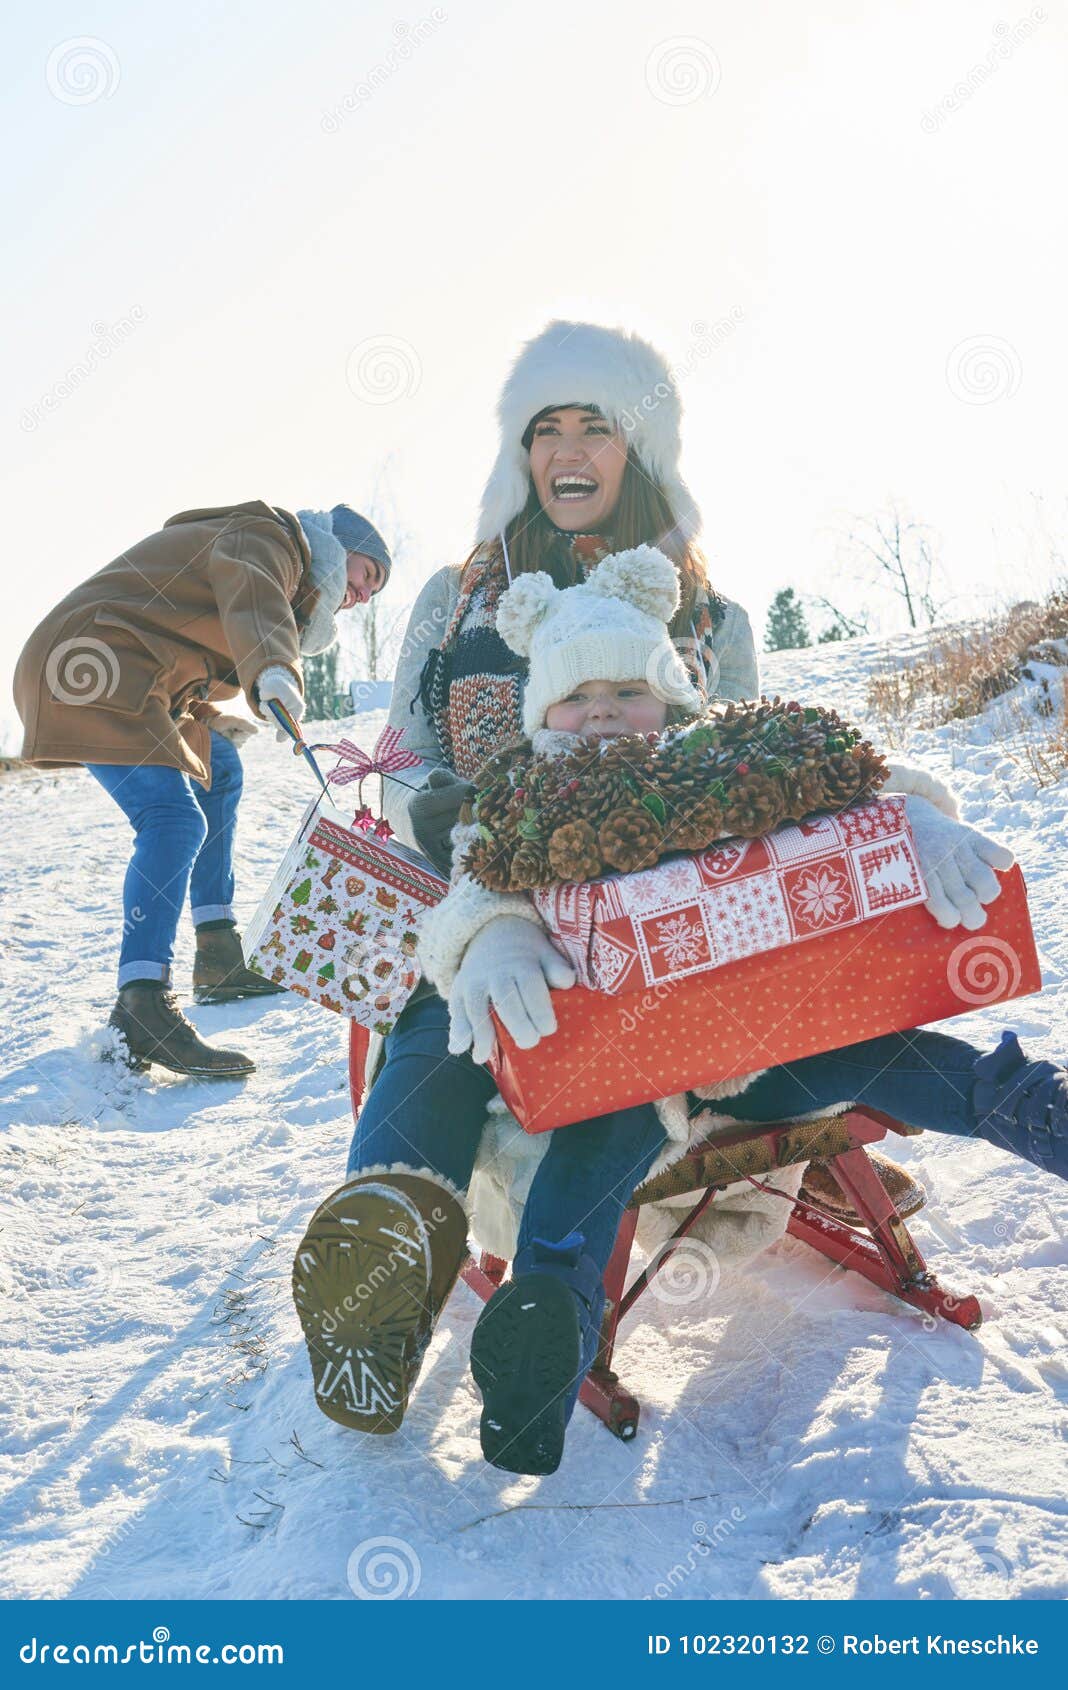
pixel 802 1434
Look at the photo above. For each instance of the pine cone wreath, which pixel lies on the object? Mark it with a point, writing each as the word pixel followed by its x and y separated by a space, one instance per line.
pixel 740 768
pixel 842 777
pixel 493 806
pixel 574 853
pixel 755 806
pixel 530 867
pixel 631 839
pixel 803 792
pixel 488 863
pixel 695 826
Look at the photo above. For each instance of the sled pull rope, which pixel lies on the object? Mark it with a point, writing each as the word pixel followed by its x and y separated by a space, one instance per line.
pixel 300 748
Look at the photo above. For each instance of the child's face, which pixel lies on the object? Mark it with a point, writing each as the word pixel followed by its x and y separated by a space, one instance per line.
pixel 603 709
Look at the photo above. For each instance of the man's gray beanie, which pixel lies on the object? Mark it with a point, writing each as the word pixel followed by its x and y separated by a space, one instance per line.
pixel 356 534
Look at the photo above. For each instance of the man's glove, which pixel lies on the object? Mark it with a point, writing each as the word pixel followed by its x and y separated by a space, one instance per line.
pixel 279 684
pixel 433 812
pixel 234 728
pixel 958 865
pixel 509 965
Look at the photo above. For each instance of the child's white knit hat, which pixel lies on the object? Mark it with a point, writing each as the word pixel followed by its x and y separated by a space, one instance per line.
pixel 611 627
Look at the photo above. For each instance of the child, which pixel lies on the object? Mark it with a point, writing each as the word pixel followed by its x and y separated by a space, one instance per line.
pixel 601 664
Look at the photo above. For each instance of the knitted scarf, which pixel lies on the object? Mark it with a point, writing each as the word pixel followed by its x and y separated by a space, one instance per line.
pixel 472 684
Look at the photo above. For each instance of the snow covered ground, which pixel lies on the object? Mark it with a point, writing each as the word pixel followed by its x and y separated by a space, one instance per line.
pixel 802 1434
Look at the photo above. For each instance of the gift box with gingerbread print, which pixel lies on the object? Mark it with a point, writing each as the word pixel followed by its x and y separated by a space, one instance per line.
pixel 339 922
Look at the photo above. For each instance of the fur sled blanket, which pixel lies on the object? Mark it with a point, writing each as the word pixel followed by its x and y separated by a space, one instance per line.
pixel 737 1225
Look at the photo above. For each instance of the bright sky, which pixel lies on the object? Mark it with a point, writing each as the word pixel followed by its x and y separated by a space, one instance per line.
pixel 235 198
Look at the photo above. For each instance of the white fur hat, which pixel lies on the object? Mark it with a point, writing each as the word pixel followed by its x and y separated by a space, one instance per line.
pixel 628 380
pixel 611 627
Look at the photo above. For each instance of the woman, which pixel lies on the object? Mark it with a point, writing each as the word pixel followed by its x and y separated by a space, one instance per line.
pixel 118 677
pixel 588 464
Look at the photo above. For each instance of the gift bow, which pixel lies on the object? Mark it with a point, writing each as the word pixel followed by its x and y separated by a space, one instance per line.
pixel 387 758
pixel 355 764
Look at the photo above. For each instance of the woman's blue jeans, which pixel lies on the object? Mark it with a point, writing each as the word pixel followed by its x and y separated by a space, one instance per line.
pixel 183 843
pixel 426 1110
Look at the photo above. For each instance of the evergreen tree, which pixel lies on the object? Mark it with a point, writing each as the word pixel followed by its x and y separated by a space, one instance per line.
pixel 322 694
pixel 787 628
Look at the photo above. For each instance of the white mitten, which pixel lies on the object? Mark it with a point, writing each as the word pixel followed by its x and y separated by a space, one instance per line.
pixel 958 865
pixel 234 728
pixel 509 966
pixel 279 683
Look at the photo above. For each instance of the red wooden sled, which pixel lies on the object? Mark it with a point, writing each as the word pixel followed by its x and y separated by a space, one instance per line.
pixel 882 1249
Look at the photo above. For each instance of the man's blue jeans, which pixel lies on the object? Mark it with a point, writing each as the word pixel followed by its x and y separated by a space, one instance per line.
pixel 426 1110
pixel 183 842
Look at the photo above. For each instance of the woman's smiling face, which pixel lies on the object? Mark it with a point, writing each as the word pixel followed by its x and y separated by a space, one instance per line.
pixel 577 461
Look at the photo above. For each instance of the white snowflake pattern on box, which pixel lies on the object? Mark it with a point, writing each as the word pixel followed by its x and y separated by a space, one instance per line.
pixel 697 912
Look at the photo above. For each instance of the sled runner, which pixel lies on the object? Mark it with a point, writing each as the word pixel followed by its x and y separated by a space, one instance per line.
pixel 882 1249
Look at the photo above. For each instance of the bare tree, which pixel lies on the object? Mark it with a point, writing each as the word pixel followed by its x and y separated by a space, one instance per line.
pixel 841 626
pixel 371 634
pixel 899 555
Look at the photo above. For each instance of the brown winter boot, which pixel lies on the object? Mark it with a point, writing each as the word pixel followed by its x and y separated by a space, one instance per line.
pixel 820 1186
pixel 153 1029
pixel 219 972
pixel 370 1277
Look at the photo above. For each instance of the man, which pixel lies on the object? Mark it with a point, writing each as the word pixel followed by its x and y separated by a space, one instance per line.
pixel 122 676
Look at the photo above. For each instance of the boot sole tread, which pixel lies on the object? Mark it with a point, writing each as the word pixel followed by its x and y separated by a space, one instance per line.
pixel 364 1358
pixel 525 1353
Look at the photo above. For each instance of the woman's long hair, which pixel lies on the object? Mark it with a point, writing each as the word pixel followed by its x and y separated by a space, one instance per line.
pixel 642 516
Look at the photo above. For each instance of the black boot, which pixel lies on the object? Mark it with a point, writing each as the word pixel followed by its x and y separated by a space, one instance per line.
pixel 1022 1106
pixel 219 972
pixel 534 1343
pixel 153 1029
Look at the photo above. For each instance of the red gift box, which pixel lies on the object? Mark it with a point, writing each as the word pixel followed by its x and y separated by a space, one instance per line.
pixel 696 912
pixel 881 976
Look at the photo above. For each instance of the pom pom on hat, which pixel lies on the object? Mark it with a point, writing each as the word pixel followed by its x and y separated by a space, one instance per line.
pixel 643 577
pixel 523 608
